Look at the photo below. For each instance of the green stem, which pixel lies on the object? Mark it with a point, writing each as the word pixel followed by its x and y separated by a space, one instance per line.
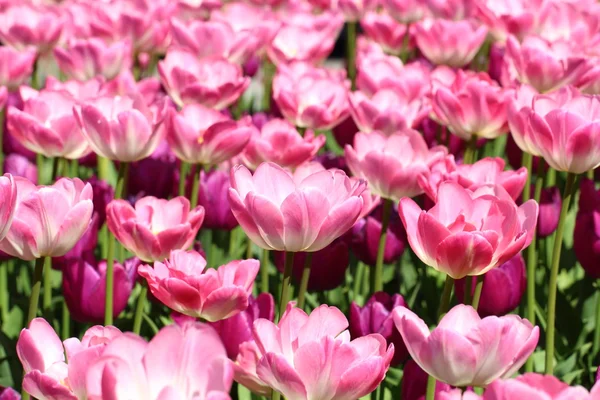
pixel 183 171
pixel 268 72
pixel 264 271
pixel 304 280
pixel 351 52
pixel 532 259
pixel 527 162
pixel 5 308
pixel 47 298
pixel 286 282
pixel 590 174
pixel 39 161
pixel 470 155
pixel 34 298
pixel 121 187
pixel 74 168
pixel 385 220
pixel 360 273
pixel 249 249
pixel 232 241
pixel 430 393
pixel 596 345
pixel 195 187
pixel 66 322
pixel 468 290
pixel 477 294
pixel 139 310
pixel 552 286
pixel 103 169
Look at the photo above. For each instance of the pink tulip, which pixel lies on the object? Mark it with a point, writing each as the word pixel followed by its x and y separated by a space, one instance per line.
pixel 184 284
pixel 297 43
pixel 564 130
pixel 8 204
pixel 85 59
pixel 47 376
pixel 17 165
pixel 406 11
pixel 180 362
pixel 538 387
pixel 311 356
pixel 196 9
pixel 23 25
pixel 46 125
pixel 279 213
pixel 249 18
pixel 245 369
pixel 155 227
pixel 213 82
pixel 384 30
pixel 575 21
pixel 472 105
pixel 15 66
pixel 545 65
pixel 80 90
pixel 471 176
pixel 48 220
pixel 8 393
pixel 468 233
pixel 377 72
pixel 311 97
pixel 392 165
pixel 465 350
pixel 354 10
pixel 509 17
pixel 280 142
pixel 452 43
pixel 452 9
pixel 200 135
pixel 388 110
pixel 237 329
pixel 120 128
pixel 518 112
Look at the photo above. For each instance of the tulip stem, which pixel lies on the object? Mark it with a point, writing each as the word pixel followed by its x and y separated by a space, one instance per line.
pixel 470 155
pixel 304 280
pixel 552 286
pixel 183 171
pixel 527 162
pixel 351 52
pixel 139 310
pixel 468 290
pixel 286 282
pixel 4 291
pixel 122 180
pixel 47 299
pixel 385 220
pixel 589 174
pixel 477 294
pixel 532 259
pixel 38 273
pixel 264 271
pixel 249 249
pixel 195 187
pixel 596 345
pixel 360 273
pixel 444 304
pixel 66 322
pixel 268 72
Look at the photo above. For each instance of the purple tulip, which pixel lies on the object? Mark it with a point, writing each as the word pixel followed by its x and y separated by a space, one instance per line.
pixel 19 165
pixel 344 132
pixel 328 269
pixel 414 382
pixel 103 194
pixel 550 205
pixel 502 289
pixel 251 66
pixel 154 175
pixel 586 242
pixel 259 119
pixel 238 329
pixel 84 288
pixel 496 62
pixel 9 394
pixel 214 187
pixel 376 317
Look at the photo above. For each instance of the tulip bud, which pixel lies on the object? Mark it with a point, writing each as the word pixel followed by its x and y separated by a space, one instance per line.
pixel 414 382
pixel 502 289
pixel 238 329
pixel 9 394
pixel 376 317
pixel 550 205
pixel 214 187
pixel 84 288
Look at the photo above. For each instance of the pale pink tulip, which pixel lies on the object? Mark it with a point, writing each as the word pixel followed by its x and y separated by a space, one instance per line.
pixel 154 227
pixel 46 125
pixel 380 71
pixel 8 194
pixel 180 362
pixel 465 350
pixel 85 59
pixel 354 10
pixel 468 233
pixel 196 9
pixel 488 171
pixel 311 356
pixel 298 43
pixel 545 65
pixel 406 11
pixel 533 386
pixel 245 368
pixel 184 284
pixel 15 66
pixel 213 82
pixel 452 9
pixel 575 21
pixel 121 128
pixel 23 24
pixel 392 165
pixel 474 105
pixel 249 18
pixel 517 115
pixel 80 90
pixel 452 43
pixel 280 142
pixel 384 30
pixel 311 97
pixel 388 110
pixel 278 213
pixel 200 135
pixel 48 220
pixel 47 375
pixel 564 128
pixel 509 17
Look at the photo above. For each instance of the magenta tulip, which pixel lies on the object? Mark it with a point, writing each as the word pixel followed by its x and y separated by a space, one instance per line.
pixel 537 387
pixel 46 125
pixel 237 329
pixel 184 284
pixel 154 175
pixel 17 165
pixel 392 165
pixel 200 135
pixel 212 82
pixel 414 382
pixel 465 350
pixel 279 213
pixel 48 220
pixel 104 193
pixel 213 196
pixel 479 231
pixel 586 237
pixel 154 227
pixel 550 204
pixel 280 142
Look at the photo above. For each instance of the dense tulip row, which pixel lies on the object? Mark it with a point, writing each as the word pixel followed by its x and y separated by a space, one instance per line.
pixel 198 202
